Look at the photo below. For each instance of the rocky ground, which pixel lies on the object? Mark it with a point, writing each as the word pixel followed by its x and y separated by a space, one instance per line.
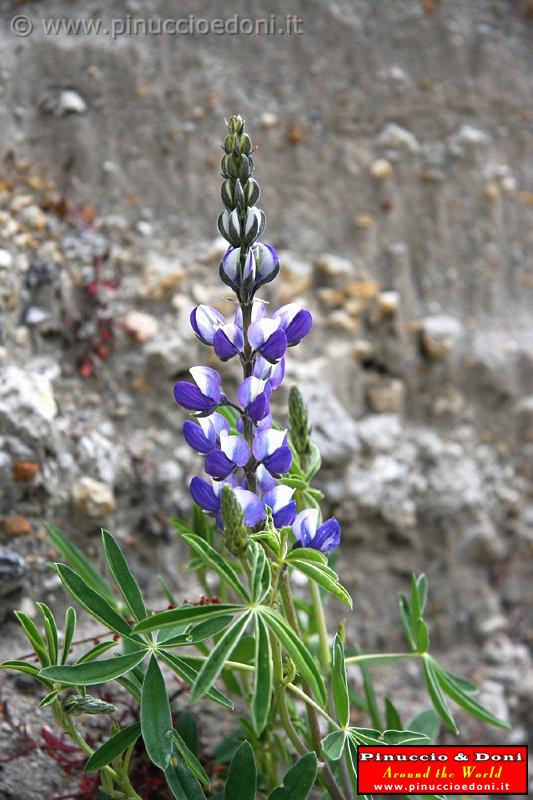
pixel 397 187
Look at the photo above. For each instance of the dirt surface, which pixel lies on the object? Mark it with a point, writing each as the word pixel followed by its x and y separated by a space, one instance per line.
pixel 394 150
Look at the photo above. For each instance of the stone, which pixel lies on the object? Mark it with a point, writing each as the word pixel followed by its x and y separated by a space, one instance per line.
pixel 380 433
pixel 364 221
pixel 440 335
pixel 467 138
pixel 388 302
pixel 62 102
pixel 297 276
pixel 27 404
pixel 24 471
pixel 334 431
pixel 397 138
pixel 99 453
pixel 13 568
pixel 93 499
pixel 363 290
pixel 6 259
pixel 161 274
pixel 386 395
pixel 268 119
pixel 342 321
pixel 140 326
pixel 381 169
pixel 16 525
pixel 482 544
pixel 334 266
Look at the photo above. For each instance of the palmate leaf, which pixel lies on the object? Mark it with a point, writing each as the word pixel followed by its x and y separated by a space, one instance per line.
pixel 295 648
pixel 464 700
pixel 333 744
pixel 70 627
pixel 198 633
pixel 76 558
pixel 215 662
pixel 113 747
pixel 437 697
pixel 298 780
pixel 91 601
pixel 262 691
pixel 339 683
pixel 220 565
pixel 188 674
pixel 320 573
pixel 181 782
pixel 34 637
pixel 50 630
pixel 123 577
pixel 242 777
pixel 156 719
pixel 186 615
pixel 89 673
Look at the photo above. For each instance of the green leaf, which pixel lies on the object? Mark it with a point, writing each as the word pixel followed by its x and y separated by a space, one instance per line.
pixel 422 587
pixel 34 637
pixel 369 736
pixel 187 727
pixel 333 745
pixel 21 666
pixel 297 650
pixel 182 783
pixel 97 650
pixel 294 482
pixel 90 673
pixel 427 722
pixel 298 780
pixel 75 557
pixel 156 719
pixel 50 629
pixel 220 565
pixel 324 576
pixel 370 697
pixel 405 613
pixel 49 698
pixel 422 636
pixel 242 777
pixel 307 554
pixel 188 674
pixel 123 577
pixel 463 684
pixel 261 577
pixel 215 662
pixel 464 700
pixel 437 698
pixel 70 627
pixel 189 759
pixel 113 747
pixel 391 715
pixel 269 539
pixel 262 691
pixel 314 462
pixel 91 601
pixel 416 611
pixel 392 737
pixel 198 633
pixel 184 615
pixel 339 683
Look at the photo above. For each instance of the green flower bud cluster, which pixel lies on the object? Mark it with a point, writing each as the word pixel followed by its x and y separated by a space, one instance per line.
pixel 77 704
pixel 300 430
pixel 235 531
pixel 241 223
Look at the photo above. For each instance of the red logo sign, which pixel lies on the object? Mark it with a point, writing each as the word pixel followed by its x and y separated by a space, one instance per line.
pixel 467 770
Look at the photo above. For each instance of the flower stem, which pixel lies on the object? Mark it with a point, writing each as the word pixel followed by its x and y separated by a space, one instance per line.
pixel 281 699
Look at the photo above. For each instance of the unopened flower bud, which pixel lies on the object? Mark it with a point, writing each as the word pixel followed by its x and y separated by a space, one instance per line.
pixel 244 168
pixel 228 143
pixel 86 704
pixel 252 192
pixel 235 124
pixel 246 144
pixel 235 532
pixel 227 194
pixel 240 200
pixel 299 427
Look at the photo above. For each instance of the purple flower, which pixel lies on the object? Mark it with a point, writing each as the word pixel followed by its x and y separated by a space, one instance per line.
pixel 232 274
pixel 202 396
pixel 234 452
pixel 204 435
pixel 260 426
pixel 325 538
pixel 273 373
pixel 228 341
pixel 295 321
pixel 253 396
pixel 268 338
pixel 205 322
pixel 283 506
pixel 207 495
pixel 270 449
pixel 267 264
pixel 264 480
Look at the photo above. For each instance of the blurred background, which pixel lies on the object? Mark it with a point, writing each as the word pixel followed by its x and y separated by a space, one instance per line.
pixel 395 144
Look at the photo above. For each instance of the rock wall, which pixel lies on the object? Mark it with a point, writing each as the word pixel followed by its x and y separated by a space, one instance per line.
pixel 394 155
